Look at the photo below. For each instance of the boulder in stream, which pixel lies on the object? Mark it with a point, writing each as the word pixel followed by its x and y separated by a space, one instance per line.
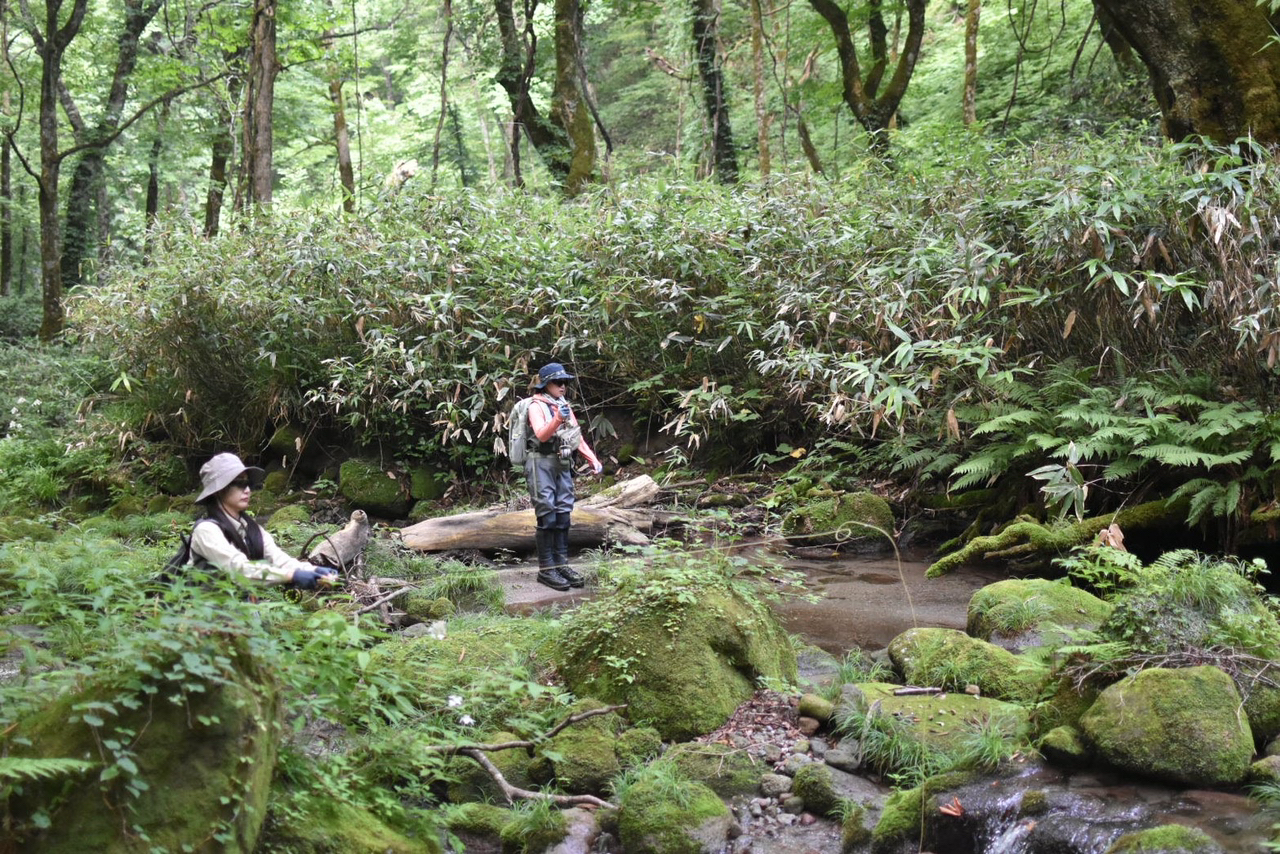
pixel 1022 613
pixel 1180 725
pixel 948 658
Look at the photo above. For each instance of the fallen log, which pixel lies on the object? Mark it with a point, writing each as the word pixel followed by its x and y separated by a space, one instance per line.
pixel 609 517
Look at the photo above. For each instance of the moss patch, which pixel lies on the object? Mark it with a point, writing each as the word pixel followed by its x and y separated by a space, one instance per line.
pixel 369 487
pixel 726 770
pixel 1024 609
pixel 950 659
pixel 813 783
pixel 307 824
pixel 856 518
pixel 1178 725
pixel 683 648
pixel 654 819
pixel 1166 839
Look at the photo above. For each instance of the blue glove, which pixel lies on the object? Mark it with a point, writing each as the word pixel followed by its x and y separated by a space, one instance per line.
pixel 327 575
pixel 305 579
pixel 564 410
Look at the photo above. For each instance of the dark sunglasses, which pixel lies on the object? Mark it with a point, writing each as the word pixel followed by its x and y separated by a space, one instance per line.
pixel 243 483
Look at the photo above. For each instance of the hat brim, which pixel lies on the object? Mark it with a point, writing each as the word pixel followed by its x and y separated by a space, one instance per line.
pixel 256 476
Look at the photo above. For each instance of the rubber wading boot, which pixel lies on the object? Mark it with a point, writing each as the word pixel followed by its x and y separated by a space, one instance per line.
pixel 570 574
pixel 548 572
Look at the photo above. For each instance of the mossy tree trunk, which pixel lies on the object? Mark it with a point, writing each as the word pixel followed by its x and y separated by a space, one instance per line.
pixel 1214 64
pixel 873 108
pixel 569 106
pixel 514 75
pixel 706 45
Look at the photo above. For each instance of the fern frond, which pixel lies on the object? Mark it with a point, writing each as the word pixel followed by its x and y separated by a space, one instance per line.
pixel 31 768
pixel 1180 455
pixel 1002 423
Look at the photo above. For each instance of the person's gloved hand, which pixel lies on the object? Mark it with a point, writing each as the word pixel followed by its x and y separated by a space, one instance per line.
pixel 305 579
pixel 327 575
pixel 564 410
pixel 597 468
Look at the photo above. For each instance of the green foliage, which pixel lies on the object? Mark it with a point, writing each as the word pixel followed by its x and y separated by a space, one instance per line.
pixel 1105 569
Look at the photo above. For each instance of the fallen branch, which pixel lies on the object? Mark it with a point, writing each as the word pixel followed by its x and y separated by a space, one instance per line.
pixel 510 792
pixel 912 691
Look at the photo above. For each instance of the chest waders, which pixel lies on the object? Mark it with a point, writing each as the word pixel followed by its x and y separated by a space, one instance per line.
pixel 549 474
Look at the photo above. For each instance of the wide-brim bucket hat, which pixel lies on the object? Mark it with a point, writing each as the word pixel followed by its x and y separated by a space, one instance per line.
pixel 218 473
pixel 552 371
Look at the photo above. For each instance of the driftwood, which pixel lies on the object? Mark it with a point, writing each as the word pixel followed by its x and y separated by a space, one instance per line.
pixel 345 548
pixel 613 516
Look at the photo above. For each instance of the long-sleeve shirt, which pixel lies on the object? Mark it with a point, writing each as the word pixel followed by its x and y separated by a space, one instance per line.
pixel 545 422
pixel 276 566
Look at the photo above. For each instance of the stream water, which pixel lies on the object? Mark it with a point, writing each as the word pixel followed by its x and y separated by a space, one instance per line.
pixel 869 600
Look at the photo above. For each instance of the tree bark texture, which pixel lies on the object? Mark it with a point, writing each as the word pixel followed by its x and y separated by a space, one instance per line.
pixel 706 46
pixel 221 147
pixel 569 106
pixel 152 212
pixel 763 119
pixel 514 75
pixel 264 66
pixel 80 234
pixel 1214 64
pixel 346 174
pixel 6 219
pixel 970 97
pixel 51 45
pixel 873 108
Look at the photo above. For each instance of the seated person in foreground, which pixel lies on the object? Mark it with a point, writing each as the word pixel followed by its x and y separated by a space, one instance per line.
pixel 229 539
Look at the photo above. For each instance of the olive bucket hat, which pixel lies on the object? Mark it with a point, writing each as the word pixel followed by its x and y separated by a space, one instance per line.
pixel 216 474
pixel 552 371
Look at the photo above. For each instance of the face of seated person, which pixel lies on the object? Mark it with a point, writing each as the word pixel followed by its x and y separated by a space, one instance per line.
pixel 235 497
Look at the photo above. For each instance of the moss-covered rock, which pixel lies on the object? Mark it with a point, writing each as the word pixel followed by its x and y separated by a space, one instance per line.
pixel 1166 839
pixel 466 662
pixel 21 528
pixel 1265 770
pixel 936 723
pixel 308 824
pixel 480 819
pixel 682 648
pixel 367 486
pixel 813 783
pixel 726 770
pixel 949 658
pixel 585 754
pixel 533 831
pixel 206 761
pixel 818 708
pixel 1066 746
pixel 469 782
pixel 638 745
pixel 859 519
pixel 899 821
pixel 654 819
pixel 276 482
pixel 427 483
pixel 291 514
pixel 1017 613
pixel 126 506
pixel 1177 725
pixel 421 608
pixel 158 504
pixel 854 832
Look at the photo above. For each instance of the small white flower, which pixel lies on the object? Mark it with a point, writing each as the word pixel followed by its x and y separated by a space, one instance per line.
pixel 454 701
pixel 466 720
pixel 13 411
pixel 35 402
pixel 21 400
pixel 14 425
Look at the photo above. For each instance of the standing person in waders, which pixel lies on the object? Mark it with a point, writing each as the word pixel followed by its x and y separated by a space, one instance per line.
pixel 554 440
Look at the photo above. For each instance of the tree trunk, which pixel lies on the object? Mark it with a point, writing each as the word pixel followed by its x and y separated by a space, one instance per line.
pixel 763 119
pixel 221 148
pixel 1214 64
pixel 569 101
pixel 50 46
pixel 970 97
pixel 806 144
pixel 152 213
pixel 444 90
pixel 81 232
pixel 346 174
pixel 874 109
pixel 706 18
pixel 264 65
pixel 6 219
pixel 514 75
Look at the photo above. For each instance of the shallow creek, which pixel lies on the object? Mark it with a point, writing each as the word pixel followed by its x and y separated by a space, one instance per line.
pixel 869 600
